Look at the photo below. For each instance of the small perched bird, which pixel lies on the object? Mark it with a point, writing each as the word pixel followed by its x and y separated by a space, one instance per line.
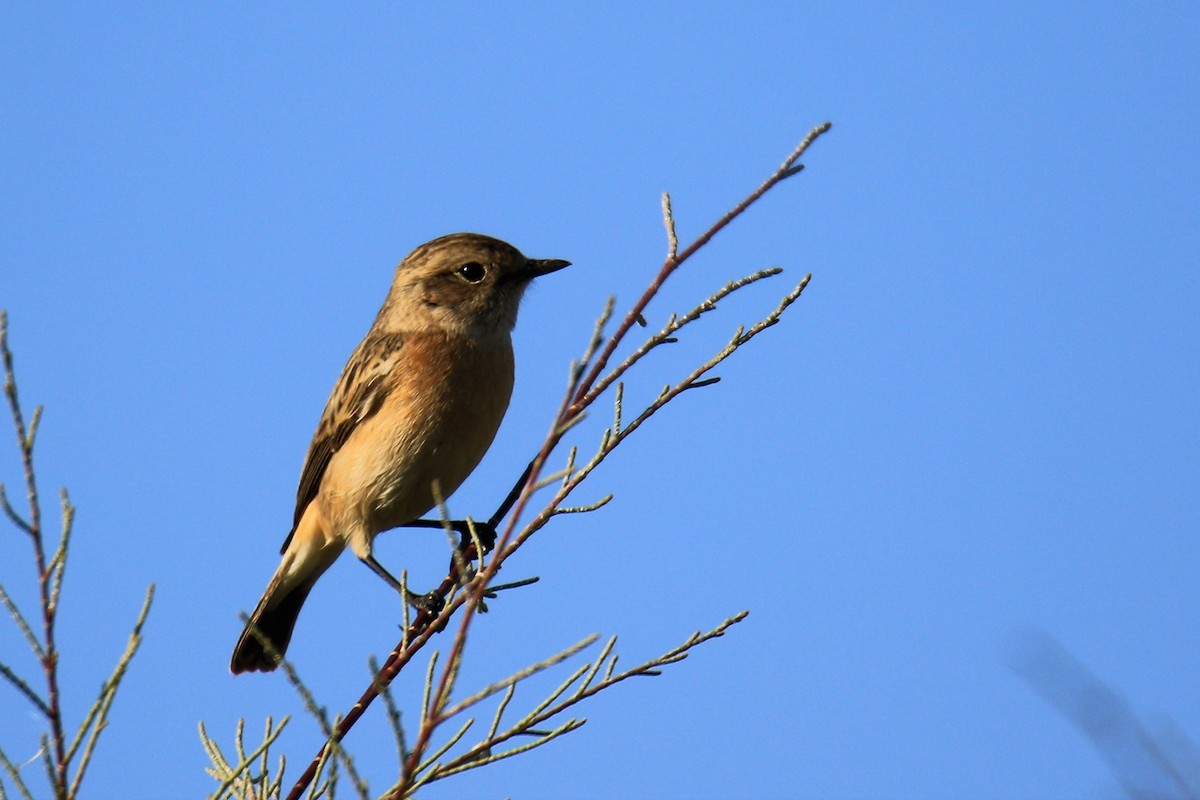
pixel 419 401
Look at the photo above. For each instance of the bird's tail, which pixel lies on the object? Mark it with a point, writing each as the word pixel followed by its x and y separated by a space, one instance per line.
pixel 307 553
pixel 273 618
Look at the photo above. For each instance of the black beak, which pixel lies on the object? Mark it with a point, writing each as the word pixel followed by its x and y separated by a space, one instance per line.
pixel 537 267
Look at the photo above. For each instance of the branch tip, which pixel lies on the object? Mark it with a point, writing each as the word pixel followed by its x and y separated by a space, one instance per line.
pixel 588 379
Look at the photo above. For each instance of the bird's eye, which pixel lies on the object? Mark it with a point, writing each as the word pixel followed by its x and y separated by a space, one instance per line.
pixel 472 272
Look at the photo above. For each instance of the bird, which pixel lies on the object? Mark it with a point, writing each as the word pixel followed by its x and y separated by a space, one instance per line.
pixel 417 404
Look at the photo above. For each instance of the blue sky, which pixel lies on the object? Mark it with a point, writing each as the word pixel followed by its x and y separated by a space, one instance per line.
pixel 981 417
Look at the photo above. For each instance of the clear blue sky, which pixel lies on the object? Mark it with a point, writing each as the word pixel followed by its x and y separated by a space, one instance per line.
pixel 982 415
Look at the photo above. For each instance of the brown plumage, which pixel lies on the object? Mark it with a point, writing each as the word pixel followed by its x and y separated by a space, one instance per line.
pixel 420 400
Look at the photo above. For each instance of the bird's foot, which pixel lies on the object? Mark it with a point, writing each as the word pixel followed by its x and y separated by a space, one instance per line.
pixel 485 533
pixel 430 603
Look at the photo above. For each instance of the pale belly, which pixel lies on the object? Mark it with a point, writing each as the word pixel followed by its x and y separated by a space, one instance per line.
pixel 436 429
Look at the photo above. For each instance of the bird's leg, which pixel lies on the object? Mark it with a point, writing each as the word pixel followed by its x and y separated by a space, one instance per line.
pixel 430 603
pixel 461 570
pixel 484 531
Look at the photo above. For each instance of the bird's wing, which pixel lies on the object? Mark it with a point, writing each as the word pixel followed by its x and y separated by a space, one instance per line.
pixel 359 393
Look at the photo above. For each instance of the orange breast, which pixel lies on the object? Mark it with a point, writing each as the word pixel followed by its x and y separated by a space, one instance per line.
pixel 447 397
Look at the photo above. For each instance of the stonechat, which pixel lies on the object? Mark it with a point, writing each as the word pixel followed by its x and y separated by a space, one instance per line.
pixel 419 402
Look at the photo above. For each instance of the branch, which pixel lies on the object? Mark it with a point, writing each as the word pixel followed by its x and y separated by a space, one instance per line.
pixel 46 649
pixel 56 756
pixel 587 381
pixel 584 394
pixel 482 755
pixel 96 719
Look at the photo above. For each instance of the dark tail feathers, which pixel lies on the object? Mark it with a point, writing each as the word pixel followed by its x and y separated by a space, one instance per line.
pixel 275 624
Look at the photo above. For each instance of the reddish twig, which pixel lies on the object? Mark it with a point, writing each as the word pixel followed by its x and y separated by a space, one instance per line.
pixel 33 527
pixel 585 394
pixel 585 387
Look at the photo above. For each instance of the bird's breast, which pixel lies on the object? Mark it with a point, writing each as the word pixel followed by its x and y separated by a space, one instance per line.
pixel 447 396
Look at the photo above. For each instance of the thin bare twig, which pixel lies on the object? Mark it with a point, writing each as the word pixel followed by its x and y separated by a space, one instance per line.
pixel 96 719
pixel 551 706
pixel 587 382
pixel 55 755
pixel 669 224
pixel 584 394
pixel 48 649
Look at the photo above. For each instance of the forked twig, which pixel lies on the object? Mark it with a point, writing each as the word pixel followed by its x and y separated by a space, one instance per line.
pixel 588 381
pixel 56 755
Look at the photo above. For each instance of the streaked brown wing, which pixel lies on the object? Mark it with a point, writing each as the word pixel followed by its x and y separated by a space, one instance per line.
pixel 359 393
